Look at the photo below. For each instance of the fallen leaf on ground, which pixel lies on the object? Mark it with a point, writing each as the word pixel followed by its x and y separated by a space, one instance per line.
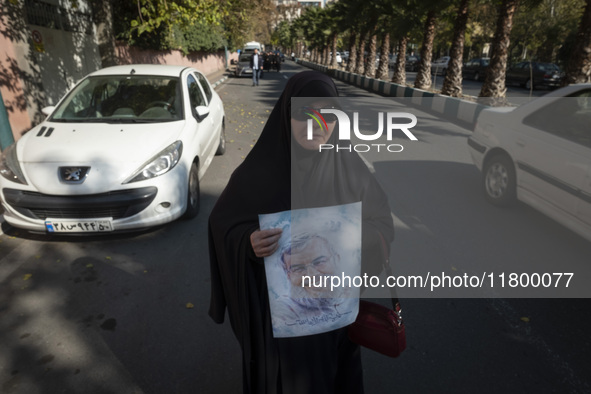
pixel 27 276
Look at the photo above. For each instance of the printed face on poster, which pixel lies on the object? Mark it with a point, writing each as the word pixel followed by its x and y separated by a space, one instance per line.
pixel 316 245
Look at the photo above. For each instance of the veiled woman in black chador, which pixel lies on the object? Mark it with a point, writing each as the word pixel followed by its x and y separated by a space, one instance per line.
pixel 286 171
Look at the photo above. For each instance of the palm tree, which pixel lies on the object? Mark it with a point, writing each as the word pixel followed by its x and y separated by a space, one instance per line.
pixel 351 11
pixel 494 83
pixel 399 76
pixel 423 79
pixel 370 70
pixel 352 60
pixel 360 66
pixel 579 65
pixel 407 18
pixel 452 85
pixel 382 72
pixel 376 13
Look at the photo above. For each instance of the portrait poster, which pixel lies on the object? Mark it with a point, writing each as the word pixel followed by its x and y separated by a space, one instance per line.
pixel 310 276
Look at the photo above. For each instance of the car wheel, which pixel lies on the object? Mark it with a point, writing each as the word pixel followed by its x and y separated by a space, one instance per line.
pixel 528 85
pixel 498 179
pixel 193 195
pixel 222 145
pixel 476 76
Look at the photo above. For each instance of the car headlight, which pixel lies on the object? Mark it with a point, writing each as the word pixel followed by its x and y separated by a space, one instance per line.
pixel 159 164
pixel 9 166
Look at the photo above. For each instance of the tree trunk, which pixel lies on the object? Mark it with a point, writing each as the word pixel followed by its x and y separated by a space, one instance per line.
pixel 399 76
pixel 579 65
pixel 423 80
pixel 103 17
pixel 333 63
pixel 494 83
pixel 371 61
pixel 360 66
pixel 352 52
pixel 384 58
pixel 325 56
pixel 452 85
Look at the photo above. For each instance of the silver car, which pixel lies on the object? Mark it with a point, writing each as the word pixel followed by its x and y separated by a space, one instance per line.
pixel 243 65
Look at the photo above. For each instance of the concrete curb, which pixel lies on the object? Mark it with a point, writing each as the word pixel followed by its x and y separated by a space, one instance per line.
pixel 454 109
pixel 219 82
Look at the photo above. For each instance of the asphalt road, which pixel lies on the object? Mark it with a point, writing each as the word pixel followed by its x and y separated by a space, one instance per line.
pixel 128 313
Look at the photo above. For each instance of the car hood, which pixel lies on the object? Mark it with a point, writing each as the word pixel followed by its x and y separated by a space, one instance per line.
pixel 112 151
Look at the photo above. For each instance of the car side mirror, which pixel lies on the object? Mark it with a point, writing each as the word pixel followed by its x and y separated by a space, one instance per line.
pixel 202 112
pixel 48 110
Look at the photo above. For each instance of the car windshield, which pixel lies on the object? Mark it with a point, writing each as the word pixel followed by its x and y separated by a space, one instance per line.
pixel 245 58
pixel 122 99
pixel 549 67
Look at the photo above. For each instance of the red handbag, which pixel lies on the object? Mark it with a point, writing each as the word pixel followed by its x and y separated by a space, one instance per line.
pixel 377 327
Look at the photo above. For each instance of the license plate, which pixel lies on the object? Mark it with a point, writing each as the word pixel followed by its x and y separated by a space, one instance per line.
pixel 78 226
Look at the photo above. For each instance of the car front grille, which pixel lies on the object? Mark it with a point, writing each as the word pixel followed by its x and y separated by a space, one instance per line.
pixel 117 205
pixel 64 213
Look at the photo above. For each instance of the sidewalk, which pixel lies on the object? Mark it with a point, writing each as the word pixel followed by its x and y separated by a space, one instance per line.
pixel 218 77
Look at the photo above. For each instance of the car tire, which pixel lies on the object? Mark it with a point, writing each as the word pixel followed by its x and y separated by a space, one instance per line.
pixel 222 144
pixel 476 76
pixel 528 85
pixel 193 193
pixel 498 180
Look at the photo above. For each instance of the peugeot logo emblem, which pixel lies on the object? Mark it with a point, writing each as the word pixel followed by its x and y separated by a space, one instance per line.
pixel 73 175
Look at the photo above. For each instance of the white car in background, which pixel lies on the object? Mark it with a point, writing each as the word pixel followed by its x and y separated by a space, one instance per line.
pixel 124 149
pixel 440 65
pixel 540 153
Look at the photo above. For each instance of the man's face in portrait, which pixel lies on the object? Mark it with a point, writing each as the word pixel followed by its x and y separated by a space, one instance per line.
pixel 315 259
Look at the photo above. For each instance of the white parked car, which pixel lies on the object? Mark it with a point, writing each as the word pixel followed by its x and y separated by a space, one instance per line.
pixel 540 153
pixel 124 149
pixel 440 65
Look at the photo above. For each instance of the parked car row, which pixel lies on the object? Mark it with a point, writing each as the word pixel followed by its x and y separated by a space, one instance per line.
pixel 530 75
pixel 411 62
pixel 476 68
